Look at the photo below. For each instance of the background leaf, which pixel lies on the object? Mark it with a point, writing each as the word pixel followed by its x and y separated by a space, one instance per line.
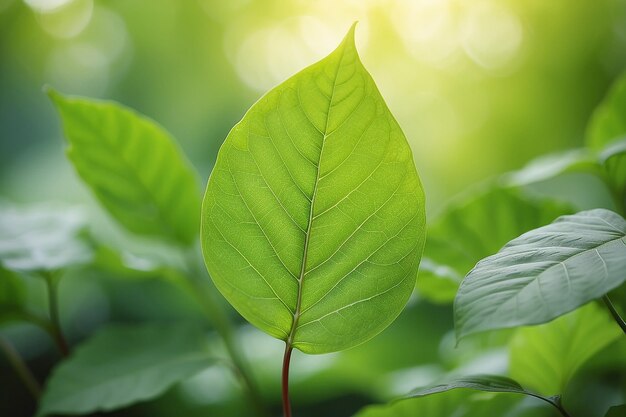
pixel 544 358
pixel 459 403
pixel 613 159
pixel 42 238
pixel 12 295
pixel 544 273
pixel 133 166
pixel 608 122
pixel 474 228
pixel 121 365
pixel 617 411
pixel 313 218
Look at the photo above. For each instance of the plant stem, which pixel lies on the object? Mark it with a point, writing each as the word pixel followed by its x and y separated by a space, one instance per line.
pixel 285 381
pixel 20 368
pixel 614 313
pixel 53 305
pixel 205 295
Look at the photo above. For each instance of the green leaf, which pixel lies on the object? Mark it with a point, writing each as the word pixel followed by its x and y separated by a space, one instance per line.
pixel 608 122
pixel 459 403
pixel 133 167
pixel 313 218
pixel 122 365
pixel 613 159
pixel 617 411
pixel 549 166
pixel 480 224
pixel 42 238
pixel 544 273
pixel 546 357
pixel 12 295
pixel 488 383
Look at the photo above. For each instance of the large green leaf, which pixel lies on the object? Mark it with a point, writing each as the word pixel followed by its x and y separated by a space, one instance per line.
pixel 487 383
pixel 122 365
pixel 544 273
pixel 42 238
pixel 313 218
pixel 479 225
pixel 133 166
pixel 608 122
pixel 544 358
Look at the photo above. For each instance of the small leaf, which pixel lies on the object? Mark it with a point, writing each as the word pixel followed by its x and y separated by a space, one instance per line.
pixel 459 403
pixel 42 238
pixel 122 365
pixel 488 383
pixel 481 225
pixel 613 159
pixel 549 166
pixel 544 273
pixel 546 357
pixel 133 167
pixel 608 122
pixel 313 218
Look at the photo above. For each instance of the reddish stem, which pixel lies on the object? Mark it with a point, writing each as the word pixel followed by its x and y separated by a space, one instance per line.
pixel 286 361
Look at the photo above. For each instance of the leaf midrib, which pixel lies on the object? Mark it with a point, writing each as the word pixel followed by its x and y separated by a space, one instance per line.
pixel 296 314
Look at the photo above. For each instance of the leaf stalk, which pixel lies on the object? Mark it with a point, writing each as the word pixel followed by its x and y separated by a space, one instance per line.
pixel 285 380
pixel 618 319
pixel 53 305
pixel 22 371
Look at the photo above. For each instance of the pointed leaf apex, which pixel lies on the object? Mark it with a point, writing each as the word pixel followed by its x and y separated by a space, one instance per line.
pixel 349 38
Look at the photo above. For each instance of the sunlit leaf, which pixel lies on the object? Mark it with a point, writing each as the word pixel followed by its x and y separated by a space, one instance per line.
pixel 122 365
pixel 608 122
pixel 480 224
pixel 313 218
pixel 133 166
pixel 549 166
pixel 544 273
pixel 458 403
pixel 42 238
pixel 544 358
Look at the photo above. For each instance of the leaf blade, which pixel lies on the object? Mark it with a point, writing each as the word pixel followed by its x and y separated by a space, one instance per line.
pixel 133 167
pixel 122 365
pixel 544 273
pixel 291 185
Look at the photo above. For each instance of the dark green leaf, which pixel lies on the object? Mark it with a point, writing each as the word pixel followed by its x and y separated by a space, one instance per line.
pixel 481 225
pixel 12 295
pixel 617 411
pixel 544 273
pixel 133 166
pixel 42 238
pixel 544 358
pixel 313 218
pixel 608 122
pixel 613 159
pixel 122 365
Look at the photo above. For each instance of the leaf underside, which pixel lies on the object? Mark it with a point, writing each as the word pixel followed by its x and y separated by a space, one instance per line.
pixel 133 166
pixel 313 218
pixel 544 273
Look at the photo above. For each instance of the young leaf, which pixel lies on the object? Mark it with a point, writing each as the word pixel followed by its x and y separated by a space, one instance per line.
pixel 42 238
pixel 546 357
pixel 122 365
pixel 133 167
pixel 608 122
pixel 481 225
pixel 313 218
pixel 544 273
pixel 488 383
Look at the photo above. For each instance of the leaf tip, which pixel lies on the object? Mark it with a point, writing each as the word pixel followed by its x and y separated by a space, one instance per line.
pixel 53 94
pixel 349 38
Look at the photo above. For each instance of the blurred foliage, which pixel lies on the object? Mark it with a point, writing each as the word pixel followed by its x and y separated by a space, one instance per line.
pixel 479 88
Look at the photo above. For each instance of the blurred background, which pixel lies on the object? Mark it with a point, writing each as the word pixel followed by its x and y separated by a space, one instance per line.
pixel 479 88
